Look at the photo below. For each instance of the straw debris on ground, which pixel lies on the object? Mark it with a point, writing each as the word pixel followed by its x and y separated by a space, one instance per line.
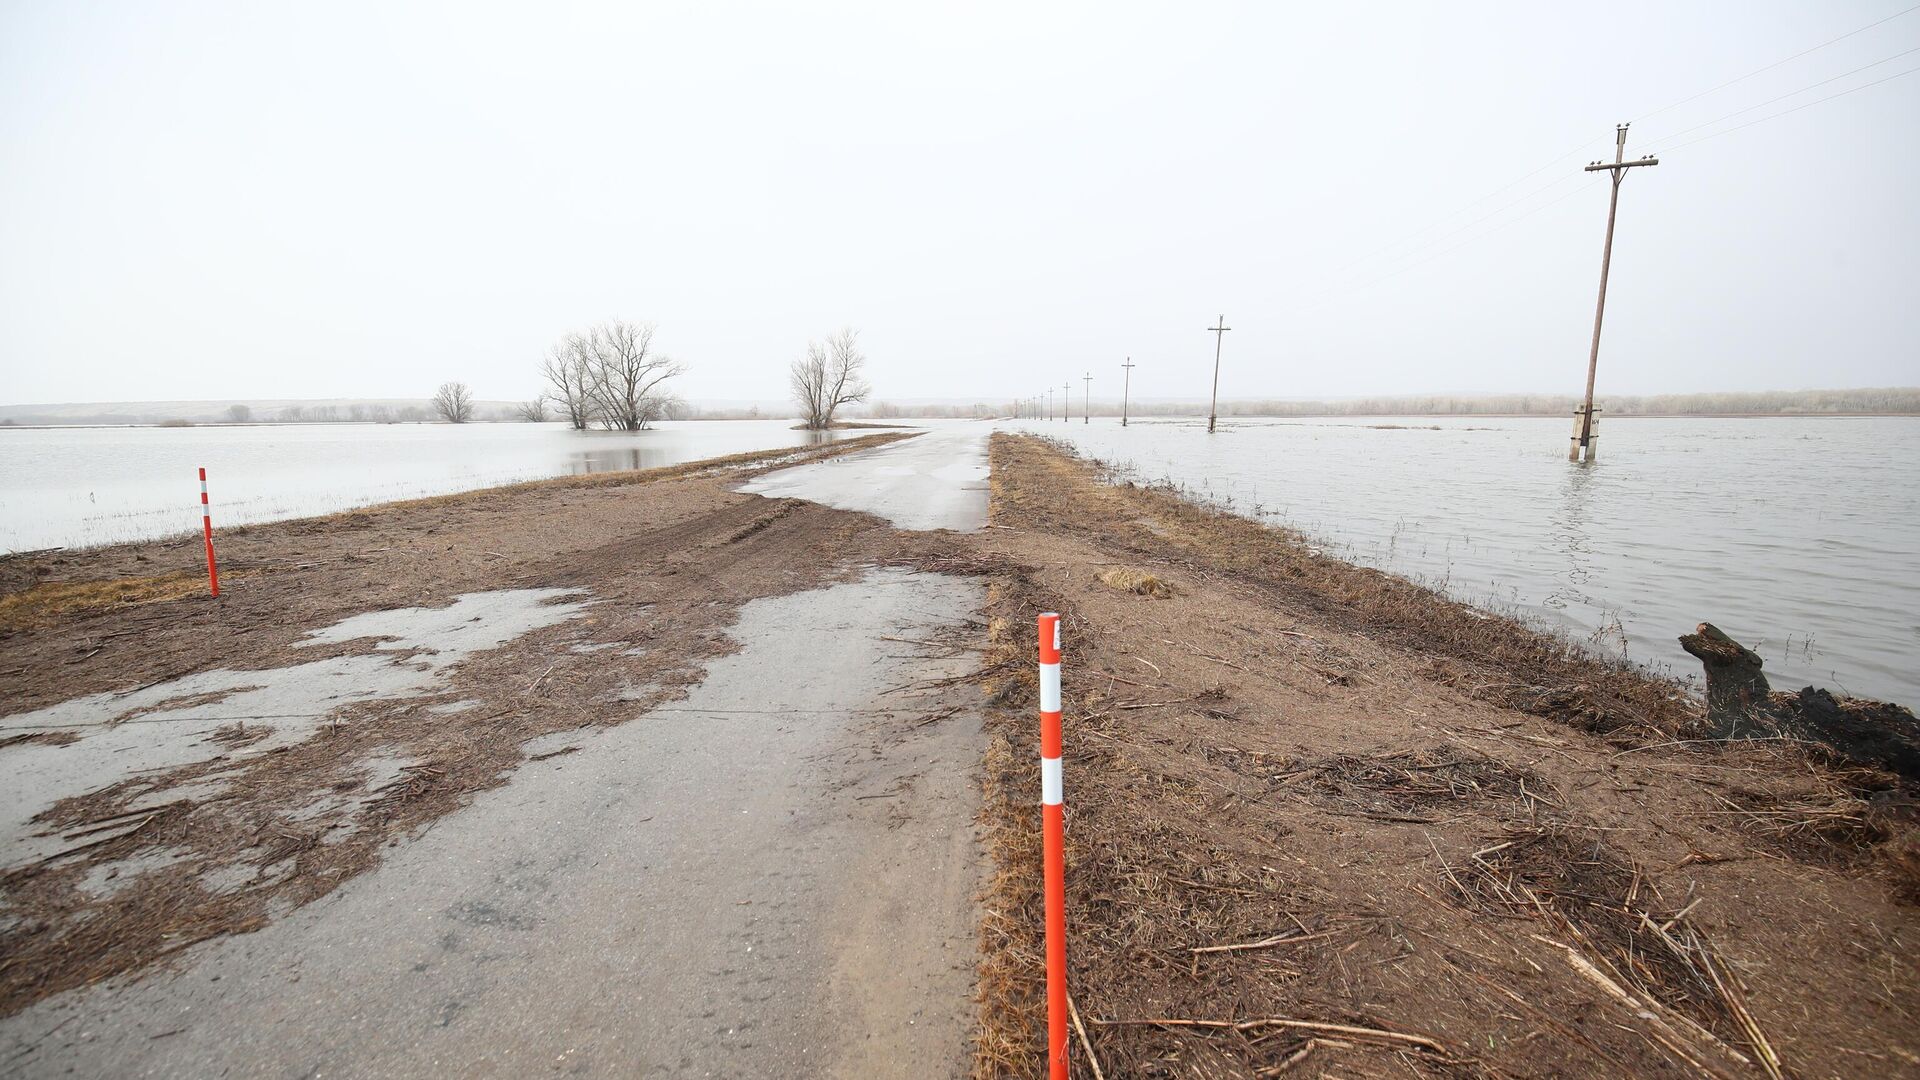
pixel 1323 821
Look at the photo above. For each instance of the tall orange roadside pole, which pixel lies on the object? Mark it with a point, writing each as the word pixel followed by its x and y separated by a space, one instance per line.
pixel 1053 838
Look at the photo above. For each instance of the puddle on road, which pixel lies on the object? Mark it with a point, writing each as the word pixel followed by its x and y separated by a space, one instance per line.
pixel 175 723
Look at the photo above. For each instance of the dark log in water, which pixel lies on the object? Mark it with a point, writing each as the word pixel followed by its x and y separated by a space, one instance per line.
pixel 1741 705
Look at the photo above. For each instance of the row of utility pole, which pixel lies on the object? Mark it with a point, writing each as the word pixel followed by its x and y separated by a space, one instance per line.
pixel 1029 408
pixel 1586 423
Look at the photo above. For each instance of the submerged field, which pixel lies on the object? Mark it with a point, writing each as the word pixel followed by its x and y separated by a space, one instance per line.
pixel 1799 536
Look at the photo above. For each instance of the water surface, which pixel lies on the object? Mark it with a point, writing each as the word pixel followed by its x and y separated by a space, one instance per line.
pixel 1799 537
pixel 72 487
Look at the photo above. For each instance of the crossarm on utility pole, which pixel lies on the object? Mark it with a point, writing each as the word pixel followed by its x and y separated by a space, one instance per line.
pixel 1599 166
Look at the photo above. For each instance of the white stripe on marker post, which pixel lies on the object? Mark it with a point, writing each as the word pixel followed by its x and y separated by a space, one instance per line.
pixel 1053 837
pixel 206 522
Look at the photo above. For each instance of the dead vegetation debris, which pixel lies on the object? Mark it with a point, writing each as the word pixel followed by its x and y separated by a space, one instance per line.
pixel 672 570
pixel 1404 786
pixel 1139 582
pixel 1620 934
pixel 1239 890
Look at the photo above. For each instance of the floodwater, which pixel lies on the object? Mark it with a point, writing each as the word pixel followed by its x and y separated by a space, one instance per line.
pixel 83 487
pixel 937 481
pixel 1799 537
pixel 177 722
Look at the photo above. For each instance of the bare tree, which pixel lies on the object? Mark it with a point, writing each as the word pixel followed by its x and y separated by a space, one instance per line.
pixel 239 414
pixel 625 374
pixel 454 402
pixel 533 412
pixel 832 374
pixel 566 369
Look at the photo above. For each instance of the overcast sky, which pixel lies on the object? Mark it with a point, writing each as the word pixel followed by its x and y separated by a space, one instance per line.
pixel 324 200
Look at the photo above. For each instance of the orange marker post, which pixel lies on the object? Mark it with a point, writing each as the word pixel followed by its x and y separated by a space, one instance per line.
pixel 206 522
pixel 1053 824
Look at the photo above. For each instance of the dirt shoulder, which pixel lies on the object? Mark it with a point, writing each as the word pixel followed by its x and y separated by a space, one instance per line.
pixel 1319 817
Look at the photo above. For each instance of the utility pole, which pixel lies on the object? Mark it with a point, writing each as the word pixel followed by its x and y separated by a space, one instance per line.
pixel 1584 422
pixel 1066 402
pixel 1125 386
pixel 1086 400
pixel 1220 334
pixel 1049 405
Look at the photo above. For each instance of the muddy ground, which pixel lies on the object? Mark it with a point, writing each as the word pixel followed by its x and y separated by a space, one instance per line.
pixel 1321 822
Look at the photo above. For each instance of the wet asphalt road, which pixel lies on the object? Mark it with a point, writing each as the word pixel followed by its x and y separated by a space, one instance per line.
pixel 771 878
pixel 699 892
pixel 937 480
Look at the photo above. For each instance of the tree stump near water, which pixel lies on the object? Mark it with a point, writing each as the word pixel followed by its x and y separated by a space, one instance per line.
pixel 1741 705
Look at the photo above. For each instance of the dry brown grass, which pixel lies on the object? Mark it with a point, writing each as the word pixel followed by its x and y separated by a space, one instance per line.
pixel 1135 581
pixel 40 604
pixel 1262 846
pixel 1490 656
pixel 1620 935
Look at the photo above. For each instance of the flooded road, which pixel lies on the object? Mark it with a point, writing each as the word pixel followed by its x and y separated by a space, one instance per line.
pixel 933 481
pixel 1799 537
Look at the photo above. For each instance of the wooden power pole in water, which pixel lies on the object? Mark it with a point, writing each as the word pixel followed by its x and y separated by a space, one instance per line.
pixel 1219 333
pixel 1125 385
pixel 1086 400
pixel 1066 402
pixel 1584 422
pixel 1049 404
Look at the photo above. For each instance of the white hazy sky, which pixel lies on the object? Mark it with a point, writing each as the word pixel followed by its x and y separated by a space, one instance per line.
pixel 274 200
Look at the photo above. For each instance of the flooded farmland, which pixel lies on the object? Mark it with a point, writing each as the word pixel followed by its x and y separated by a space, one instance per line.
pixel 1799 537
pixel 77 487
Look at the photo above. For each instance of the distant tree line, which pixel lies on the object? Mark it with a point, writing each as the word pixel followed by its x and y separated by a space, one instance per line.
pixel 1872 401
pixel 343 414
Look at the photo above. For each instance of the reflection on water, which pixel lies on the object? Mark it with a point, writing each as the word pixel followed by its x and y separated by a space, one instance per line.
pixel 1570 538
pixel 595 459
pixel 1800 537
pixel 88 486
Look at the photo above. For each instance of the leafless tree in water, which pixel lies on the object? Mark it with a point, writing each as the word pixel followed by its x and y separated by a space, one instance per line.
pixel 625 374
pixel 565 367
pixel 832 374
pixel 611 375
pixel 532 412
pixel 454 402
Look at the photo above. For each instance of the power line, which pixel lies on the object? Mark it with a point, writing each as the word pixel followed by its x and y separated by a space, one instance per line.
pixel 1469 241
pixel 1796 93
pixel 1374 276
pixel 1449 215
pixel 1795 109
pixel 1371 278
pixel 1775 64
pixel 1583 147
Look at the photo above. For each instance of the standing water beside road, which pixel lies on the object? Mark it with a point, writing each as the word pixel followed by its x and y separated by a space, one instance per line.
pixel 86 486
pixel 1798 536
